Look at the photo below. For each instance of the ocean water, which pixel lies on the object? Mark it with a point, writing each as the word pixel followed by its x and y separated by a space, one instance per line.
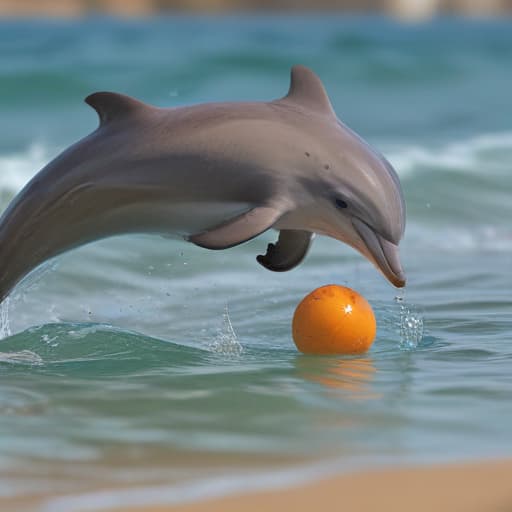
pixel 140 370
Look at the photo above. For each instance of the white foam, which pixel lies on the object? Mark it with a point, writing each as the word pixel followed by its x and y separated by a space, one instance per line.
pixel 22 357
pixel 5 327
pixel 489 153
pixel 460 238
pixel 18 168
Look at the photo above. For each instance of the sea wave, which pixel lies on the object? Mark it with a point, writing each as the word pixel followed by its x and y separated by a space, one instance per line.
pixel 17 168
pixel 460 239
pixel 487 154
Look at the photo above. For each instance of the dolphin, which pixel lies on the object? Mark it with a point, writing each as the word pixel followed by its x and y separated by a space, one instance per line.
pixel 216 175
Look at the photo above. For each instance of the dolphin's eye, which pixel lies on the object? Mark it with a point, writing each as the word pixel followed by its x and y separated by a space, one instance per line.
pixel 341 204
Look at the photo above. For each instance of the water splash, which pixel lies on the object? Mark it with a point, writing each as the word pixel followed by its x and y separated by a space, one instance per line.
pixel 5 329
pixel 410 324
pixel 226 341
pixel 26 357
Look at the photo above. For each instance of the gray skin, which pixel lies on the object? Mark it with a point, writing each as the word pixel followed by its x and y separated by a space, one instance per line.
pixel 216 175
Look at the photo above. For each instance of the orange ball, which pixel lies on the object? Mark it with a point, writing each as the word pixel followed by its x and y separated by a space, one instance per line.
pixel 334 320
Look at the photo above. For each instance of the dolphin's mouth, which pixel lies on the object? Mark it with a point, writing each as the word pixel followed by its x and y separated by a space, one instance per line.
pixel 383 252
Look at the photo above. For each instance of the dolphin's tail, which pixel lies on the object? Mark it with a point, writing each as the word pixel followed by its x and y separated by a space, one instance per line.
pixel 16 256
pixel 32 224
pixel 67 205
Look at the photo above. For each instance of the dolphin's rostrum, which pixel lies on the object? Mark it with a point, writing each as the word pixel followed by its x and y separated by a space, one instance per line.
pixel 217 175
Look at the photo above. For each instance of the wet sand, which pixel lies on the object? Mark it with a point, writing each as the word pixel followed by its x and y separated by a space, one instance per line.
pixel 479 487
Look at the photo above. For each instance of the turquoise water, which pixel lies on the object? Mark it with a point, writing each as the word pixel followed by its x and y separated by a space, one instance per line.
pixel 121 380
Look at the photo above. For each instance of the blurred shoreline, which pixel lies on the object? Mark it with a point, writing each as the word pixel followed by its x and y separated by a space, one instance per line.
pixel 475 487
pixel 404 9
pixel 471 486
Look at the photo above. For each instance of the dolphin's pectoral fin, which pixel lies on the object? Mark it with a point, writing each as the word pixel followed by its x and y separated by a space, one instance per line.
pixel 289 250
pixel 238 230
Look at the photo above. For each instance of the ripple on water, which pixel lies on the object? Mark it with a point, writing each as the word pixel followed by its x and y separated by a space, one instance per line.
pixel 21 402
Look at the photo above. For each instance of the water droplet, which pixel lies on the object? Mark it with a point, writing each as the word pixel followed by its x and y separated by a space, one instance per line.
pixel 5 329
pixel 411 326
pixel 226 341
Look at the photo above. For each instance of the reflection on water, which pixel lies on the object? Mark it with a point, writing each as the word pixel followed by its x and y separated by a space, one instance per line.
pixel 349 377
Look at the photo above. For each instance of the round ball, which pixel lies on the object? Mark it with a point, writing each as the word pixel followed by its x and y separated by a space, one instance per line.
pixel 334 320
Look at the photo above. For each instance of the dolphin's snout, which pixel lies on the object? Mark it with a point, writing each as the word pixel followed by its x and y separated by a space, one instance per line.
pixel 384 254
pixel 391 253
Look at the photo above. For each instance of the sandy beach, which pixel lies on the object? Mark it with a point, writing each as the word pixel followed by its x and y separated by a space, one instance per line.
pixel 478 487
pixel 405 9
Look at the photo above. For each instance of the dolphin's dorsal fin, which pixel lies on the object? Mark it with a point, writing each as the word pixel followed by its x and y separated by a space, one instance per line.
pixel 112 106
pixel 307 90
